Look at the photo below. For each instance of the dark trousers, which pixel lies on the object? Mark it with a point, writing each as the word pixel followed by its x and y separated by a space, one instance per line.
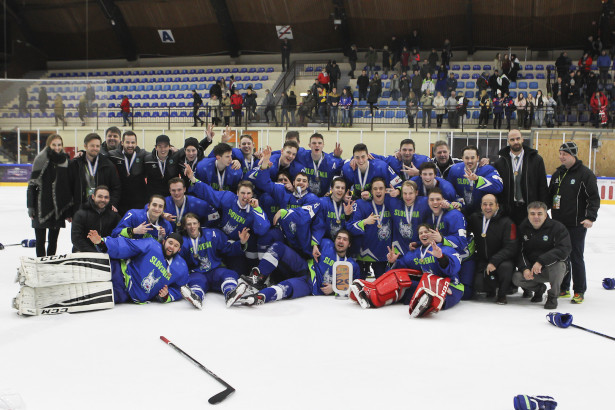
pixel 237 115
pixel 362 94
pixel 497 120
pixel 52 241
pixel 353 66
pixel 576 262
pixel 285 61
pixel 483 118
pixel 518 213
pixel 195 115
pixel 378 267
pixel 502 278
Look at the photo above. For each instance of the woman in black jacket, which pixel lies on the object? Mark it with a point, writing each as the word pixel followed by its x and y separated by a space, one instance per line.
pixel 49 196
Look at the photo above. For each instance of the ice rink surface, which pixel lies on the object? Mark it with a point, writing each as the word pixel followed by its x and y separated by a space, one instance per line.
pixel 314 352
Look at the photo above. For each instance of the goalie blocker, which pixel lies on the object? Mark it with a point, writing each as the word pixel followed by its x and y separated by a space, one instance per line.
pixel 64 284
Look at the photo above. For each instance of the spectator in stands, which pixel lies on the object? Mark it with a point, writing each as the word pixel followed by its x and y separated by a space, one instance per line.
pixel 335 74
pixel 129 161
pixel 216 90
pixel 285 48
pixel 416 59
pixel 225 106
pixel 604 64
pixel 370 60
pixel 497 64
pixel 82 109
pixel 599 104
pixel 231 84
pixel 428 85
pixel 509 108
pixel 395 93
pixel 414 41
pixel 432 60
pixel 214 106
pixel 375 89
pixel 321 101
pixel 446 54
pixel 405 59
pixel 451 84
pixel 324 79
pixel 592 46
pixel 43 100
pixel 285 108
pixel 485 108
pixel 551 105
pixel 482 83
pixel 236 104
pixel 125 109
pixel 223 88
pixel 352 59
pixel 90 96
pixel 493 83
pixel 462 107
pixel 250 103
pixel 23 101
pixel 345 104
pixel 506 64
pixel 49 197
pixel 94 215
pixel 417 83
pixel 439 104
pixel 426 70
pixel 362 84
pixel 521 107
pixel 404 86
pixel 585 64
pixel 531 108
pixel 395 51
pixel 591 84
pixel 562 65
pixel 352 103
pixel 412 108
pixel 515 66
pixel 386 59
pixel 441 80
pixel 575 92
pixel 305 108
pixel 498 110
pixel 427 105
pixel 333 100
pixel 503 83
pixel 197 103
pixel 541 103
pixel 451 109
pixel 269 103
pixel 560 90
pixel 91 170
pixel 58 109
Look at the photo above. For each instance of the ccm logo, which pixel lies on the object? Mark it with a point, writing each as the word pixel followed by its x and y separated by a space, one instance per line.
pixel 54 311
pixel 54 257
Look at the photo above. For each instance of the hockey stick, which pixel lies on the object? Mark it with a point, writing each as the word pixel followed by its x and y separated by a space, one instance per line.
pixel 592 331
pixel 213 399
pixel 26 243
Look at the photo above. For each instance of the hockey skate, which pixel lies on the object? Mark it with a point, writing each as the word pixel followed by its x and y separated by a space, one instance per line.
pixel 252 300
pixel 192 297
pixel 357 290
pixel 232 296
pixel 422 306
pixel 254 279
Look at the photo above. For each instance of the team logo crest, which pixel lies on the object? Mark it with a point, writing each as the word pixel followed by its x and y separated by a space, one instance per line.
pixel 405 230
pixel 572 181
pixel 228 228
pixel 467 195
pixel 315 187
pixel 292 226
pixel 384 232
pixel 334 229
pixel 149 282
pixel 545 238
pixel 205 263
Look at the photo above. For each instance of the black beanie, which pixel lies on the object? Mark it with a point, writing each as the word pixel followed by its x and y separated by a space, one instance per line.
pixel 191 142
pixel 177 237
pixel 570 147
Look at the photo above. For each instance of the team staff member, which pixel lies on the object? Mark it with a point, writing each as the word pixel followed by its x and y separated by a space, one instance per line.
pixel 112 141
pixel 160 167
pixel 574 201
pixel 129 161
pixel 524 177
pixel 96 215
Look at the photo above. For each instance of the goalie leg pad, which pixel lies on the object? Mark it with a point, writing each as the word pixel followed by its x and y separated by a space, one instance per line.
pixel 69 298
pixel 388 288
pixel 436 287
pixel 63 269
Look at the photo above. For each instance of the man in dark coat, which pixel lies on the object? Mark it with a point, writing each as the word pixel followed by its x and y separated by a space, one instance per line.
pixel 363 83
pixel 112 141
pixel 95 215
pixel 129 161
pixel 160 167
pixel 285 50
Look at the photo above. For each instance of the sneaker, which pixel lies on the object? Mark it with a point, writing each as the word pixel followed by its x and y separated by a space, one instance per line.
pixel 192 297
pixel 538 294
pixel 255 279
pixel 551 302
pixel 527 294
pixel 252 300
pixel 577 298
pixel 232 296
pixel 564 294
pixel 501 300
pixel 357 290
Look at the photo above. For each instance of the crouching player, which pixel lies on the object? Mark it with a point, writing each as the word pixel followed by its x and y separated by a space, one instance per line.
pixel 143 269
pixel 203 250
pixel 438 287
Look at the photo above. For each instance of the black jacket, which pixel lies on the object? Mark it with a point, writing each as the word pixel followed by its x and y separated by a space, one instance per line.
pixel 134 188
pixel 156 182
pixel 106 174
pixel 500 244
pixel 86 219
pixel 180 159
pixel 580 198
pixel 533 174
pixel 546 245
pixel 363 82
pixel 442 172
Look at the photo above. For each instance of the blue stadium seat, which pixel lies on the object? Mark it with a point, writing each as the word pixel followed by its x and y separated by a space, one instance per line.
pixel 540 76
pixel 513 94
pixel 270 70
pixel 534 93
pixel 383 103
pixel 540 67
pixel 200 71
pixel 393 103
pixel 466 67
pixel 475 76
pixel 465 76
pixel 522 85
pixel 400 114
pixel 533 85
pixel 461 84
pixel 265 78
pixel 355 94
pixel 226 70
pixel 456 67
pixel 243 70
pixel 252 70
pixel 258 86
pixel 529 67
pixel 486 67
pixel 469 94
pixel 471 85
pixel 513 86
pixel 183 114
pixel 476 67
pixel 529 76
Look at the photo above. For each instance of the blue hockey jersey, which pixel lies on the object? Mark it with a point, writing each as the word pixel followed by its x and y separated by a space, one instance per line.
pixel 298 225
pixel 403 232
pixel 145 269
pixel 333 218
pixel 208 216
pixel 421 259
pixel 470 193
pixel 207 171
pixel 136 217
pixel 452 226
pixel 321 272
pixel 373 239
pixel 376 168
pixel 398 166
pixel 322 172
pixel 448 191
pixel 281 197
pixel 293 169
pixel 205 253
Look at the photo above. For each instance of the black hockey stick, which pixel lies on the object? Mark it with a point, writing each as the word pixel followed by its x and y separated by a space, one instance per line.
pixel 213 399
pixel 592 331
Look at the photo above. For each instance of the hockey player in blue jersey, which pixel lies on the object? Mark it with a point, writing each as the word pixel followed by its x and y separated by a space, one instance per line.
pixel 143 270
pixel 285 161
pixel 319 166
pixel 409 211
pixel 335 210
pixel 471 180
pixel 237 211
pixel 427 180
pixel 291 136
pixel 428 273
pixel 179 204
pixel 218 172
pixel 449 228
pixel 292 277
pixel 145 223
pixel 203 250
pixel 247 159
pixel 372 225
pixel 406 162
pixel 360 171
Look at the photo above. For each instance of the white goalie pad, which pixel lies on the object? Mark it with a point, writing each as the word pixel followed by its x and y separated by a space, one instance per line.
pixel 62 269
pixel 342 278
pixel 69 298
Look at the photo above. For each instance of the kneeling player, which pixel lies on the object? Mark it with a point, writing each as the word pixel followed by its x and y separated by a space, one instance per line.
pixel 143 269
pixel 203 250
pixel 438 288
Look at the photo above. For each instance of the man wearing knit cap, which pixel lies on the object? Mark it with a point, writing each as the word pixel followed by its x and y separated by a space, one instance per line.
pixel 190 154
pixel 160 167
pixel 574 201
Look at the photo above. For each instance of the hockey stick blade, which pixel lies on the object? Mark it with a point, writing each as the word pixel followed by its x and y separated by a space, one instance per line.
pixel 213 399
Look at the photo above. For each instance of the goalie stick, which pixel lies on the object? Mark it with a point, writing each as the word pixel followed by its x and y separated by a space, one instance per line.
pixel 213 399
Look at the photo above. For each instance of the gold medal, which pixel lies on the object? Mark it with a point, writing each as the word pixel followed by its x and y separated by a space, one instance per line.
pixel 516 173
pixel 483 235
pixel 379 226
pixel 338 221
pixel 178 223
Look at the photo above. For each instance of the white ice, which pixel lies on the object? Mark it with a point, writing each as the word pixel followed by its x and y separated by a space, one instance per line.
pixel 314 352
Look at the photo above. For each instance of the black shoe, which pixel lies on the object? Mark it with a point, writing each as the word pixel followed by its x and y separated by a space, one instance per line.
pixel 490 294
pixel 551 302
pixel 501 300
pixel 527 293
pixel 538 294
pixel 512 290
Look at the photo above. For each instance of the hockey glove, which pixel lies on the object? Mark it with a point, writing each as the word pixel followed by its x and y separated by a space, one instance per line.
pixel 608 283
pixel 562 320
pixel 28 243
pixel 524 402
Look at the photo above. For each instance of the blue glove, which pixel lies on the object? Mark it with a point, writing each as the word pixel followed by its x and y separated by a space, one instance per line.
pixel 608 283
pixel 524 402
pixel 28 243
pixel 562 320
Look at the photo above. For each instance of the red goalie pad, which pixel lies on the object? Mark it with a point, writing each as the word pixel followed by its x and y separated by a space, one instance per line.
pixel 387 289
pixel 434 288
